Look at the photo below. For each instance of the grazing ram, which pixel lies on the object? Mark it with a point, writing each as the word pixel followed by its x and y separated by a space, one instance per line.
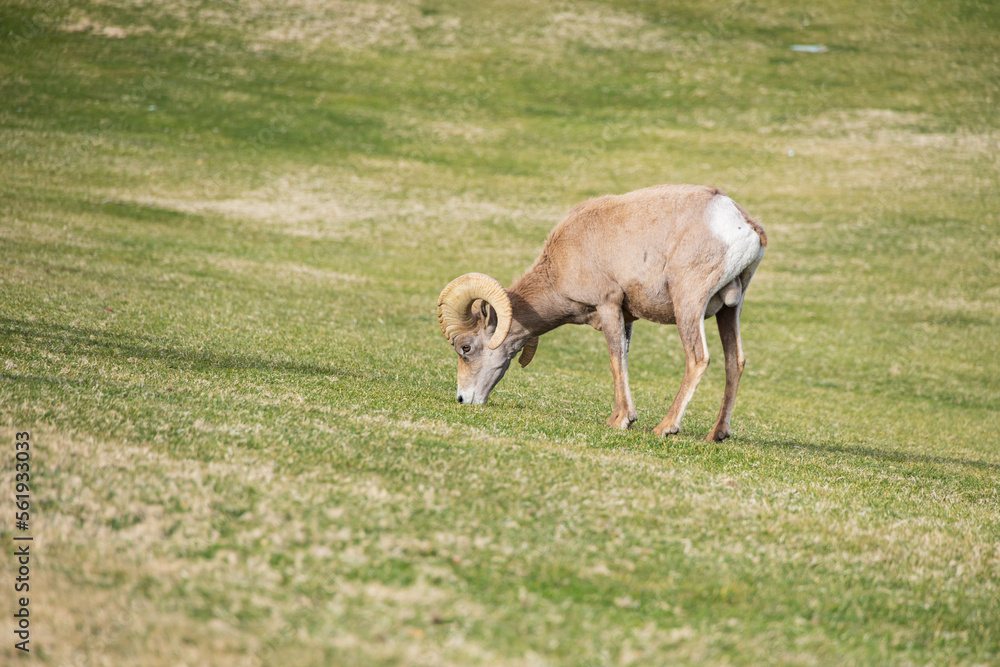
pixel 673 254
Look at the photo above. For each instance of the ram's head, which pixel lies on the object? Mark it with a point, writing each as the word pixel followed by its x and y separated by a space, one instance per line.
pixel 475 315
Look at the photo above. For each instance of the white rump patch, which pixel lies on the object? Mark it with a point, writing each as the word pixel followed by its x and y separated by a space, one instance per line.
pixel 743 248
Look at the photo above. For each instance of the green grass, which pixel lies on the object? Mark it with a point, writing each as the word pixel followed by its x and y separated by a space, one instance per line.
pixel 223 228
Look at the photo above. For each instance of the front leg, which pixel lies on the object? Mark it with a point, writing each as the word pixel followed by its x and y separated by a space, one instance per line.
pixel 618 335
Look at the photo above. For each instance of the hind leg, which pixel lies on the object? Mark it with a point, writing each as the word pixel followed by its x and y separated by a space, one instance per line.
pixel 728 320
pixel 691 326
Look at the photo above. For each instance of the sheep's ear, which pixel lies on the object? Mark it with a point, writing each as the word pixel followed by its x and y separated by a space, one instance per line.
pixel 528 351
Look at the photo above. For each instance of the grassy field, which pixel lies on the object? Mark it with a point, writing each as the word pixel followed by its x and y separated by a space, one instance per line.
pixel 223 228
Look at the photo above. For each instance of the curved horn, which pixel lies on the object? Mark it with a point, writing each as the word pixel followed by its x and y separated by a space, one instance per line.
pixel 455 304
pixel 528 351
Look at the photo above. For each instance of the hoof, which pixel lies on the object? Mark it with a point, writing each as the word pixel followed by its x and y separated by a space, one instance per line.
pixel 718 435
pixel 667 429
pixel 622 420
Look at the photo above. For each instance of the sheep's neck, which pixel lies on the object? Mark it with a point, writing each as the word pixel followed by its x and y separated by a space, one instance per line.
pixel 537 307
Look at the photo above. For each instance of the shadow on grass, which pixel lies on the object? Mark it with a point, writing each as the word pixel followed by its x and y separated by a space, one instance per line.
pixel 903 458
pixel 79 340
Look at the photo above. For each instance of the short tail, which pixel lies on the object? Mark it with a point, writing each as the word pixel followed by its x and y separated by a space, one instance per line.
pixel 754 225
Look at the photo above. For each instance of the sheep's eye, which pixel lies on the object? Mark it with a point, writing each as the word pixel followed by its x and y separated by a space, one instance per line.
pixel 466 348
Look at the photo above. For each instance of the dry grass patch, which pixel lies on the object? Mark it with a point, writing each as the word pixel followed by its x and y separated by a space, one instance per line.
pixel 354 25
pixel 175 535
pixel 78 22
pixel 335 206
pixel 596 26
pixel 306 23
pixel 283 272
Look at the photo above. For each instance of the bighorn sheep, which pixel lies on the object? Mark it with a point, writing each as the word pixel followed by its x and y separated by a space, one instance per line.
pixel 673 254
